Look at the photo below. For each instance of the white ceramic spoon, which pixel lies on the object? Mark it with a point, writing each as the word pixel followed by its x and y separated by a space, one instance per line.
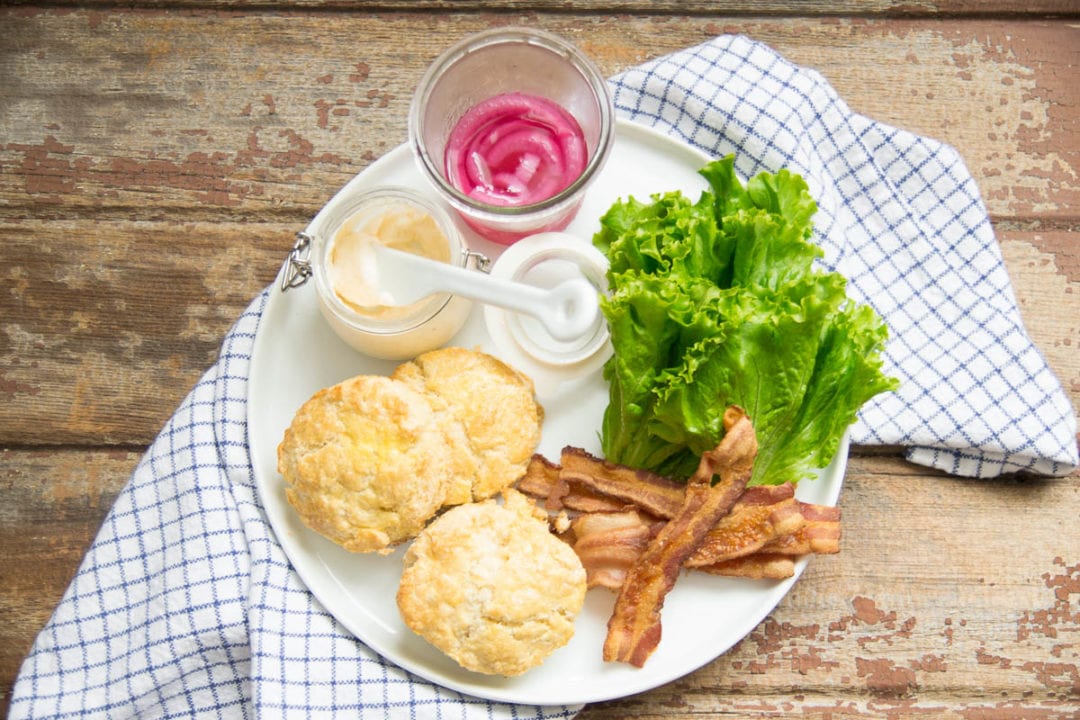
pixel 567 311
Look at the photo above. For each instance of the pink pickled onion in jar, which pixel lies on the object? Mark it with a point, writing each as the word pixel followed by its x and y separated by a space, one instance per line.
pixel 515 149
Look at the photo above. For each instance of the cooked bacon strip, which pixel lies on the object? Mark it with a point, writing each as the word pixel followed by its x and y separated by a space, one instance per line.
pixel 820 533
pixel 602 541
pixel 542 481
pixel 595 478
pixel 820 513
pixel 651 492
pixel 609 544
pixel 590 484
pixel 765 495
pixel 758 566
pixel 746 530
pixel 634 626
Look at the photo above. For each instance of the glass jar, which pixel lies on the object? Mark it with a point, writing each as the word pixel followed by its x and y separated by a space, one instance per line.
pixel 497 62
pixel 385 331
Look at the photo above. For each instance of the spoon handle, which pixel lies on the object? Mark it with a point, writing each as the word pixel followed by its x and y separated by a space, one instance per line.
pixel 566 310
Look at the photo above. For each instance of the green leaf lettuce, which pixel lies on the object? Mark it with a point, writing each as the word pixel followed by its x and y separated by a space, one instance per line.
pixel 718 302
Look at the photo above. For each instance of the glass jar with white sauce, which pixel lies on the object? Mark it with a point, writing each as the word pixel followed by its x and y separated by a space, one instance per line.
pixel 346 281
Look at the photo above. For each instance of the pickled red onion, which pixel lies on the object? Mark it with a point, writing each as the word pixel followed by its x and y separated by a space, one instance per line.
pixel 515 149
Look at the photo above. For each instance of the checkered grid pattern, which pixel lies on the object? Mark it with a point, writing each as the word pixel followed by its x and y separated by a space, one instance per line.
pixel 186 606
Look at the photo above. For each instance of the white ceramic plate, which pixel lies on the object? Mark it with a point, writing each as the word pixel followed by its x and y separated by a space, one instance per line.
pixel 296 354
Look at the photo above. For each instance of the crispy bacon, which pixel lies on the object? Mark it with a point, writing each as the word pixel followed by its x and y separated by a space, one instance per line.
pixel 603 541
pixel 543 481
pixel 589 484
pixel 634 529
pixel 651 492
pixel 746 530
pixel 609 544
pixel 819 534
pixel 765 495
pixel 757 566
pixel 634 627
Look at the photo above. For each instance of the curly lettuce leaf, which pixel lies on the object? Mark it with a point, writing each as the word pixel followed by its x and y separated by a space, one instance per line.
pixel 718 302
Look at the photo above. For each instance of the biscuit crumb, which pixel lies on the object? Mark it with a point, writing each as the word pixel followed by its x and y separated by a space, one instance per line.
pixel 561 522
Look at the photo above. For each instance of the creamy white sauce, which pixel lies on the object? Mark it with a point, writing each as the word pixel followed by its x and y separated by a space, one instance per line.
pixel 351 262
pixel 371 324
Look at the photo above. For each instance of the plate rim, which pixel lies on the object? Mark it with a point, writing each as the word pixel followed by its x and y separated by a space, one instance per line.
pixel 774 594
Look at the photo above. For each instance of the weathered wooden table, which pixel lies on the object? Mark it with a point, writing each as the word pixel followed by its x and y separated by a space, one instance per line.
pixel 156 160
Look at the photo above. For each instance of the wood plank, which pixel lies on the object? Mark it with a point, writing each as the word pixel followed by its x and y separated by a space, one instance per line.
pixel 787 8
pixel 101 344
pixel 110 324
pixel 889 627
pixel 144 115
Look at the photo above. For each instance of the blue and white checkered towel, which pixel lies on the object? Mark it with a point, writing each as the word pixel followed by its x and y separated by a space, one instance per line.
pixel 187 606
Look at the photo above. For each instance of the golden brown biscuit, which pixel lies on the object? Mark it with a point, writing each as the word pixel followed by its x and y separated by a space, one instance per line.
pixel 494 405
pixel 363 462
pixel 490 586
